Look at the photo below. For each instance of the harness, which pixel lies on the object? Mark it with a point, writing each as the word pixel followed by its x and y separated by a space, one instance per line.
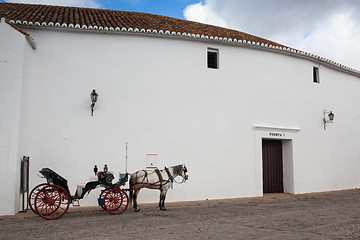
pixel 145 176
pixel 171 178
pixel 161 179
pixel 159 176
pixel 158 173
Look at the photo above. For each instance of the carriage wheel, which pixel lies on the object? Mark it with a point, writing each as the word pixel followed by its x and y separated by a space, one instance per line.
pixel 52 202
pixel 102 196
pixel 116 201
pixel 33 194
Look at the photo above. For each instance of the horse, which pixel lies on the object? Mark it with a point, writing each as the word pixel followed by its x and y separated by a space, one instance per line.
pixel 157 179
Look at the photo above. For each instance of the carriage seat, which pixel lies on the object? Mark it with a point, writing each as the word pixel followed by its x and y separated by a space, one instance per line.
pixel 81 186
pixel 79 189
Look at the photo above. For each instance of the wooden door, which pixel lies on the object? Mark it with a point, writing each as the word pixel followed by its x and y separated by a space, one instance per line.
pixel 272 166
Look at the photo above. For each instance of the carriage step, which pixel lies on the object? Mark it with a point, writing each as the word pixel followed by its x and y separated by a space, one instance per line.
pixel 76 203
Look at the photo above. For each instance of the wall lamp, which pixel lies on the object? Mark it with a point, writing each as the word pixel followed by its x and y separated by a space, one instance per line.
pixel 94 97
pixel 328 118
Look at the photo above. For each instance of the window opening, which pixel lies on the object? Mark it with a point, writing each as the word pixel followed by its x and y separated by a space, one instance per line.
pixel 213 58
pixel 316 78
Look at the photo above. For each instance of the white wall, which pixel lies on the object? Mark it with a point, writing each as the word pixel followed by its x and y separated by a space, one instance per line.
pixel 158 95
pixel 14 50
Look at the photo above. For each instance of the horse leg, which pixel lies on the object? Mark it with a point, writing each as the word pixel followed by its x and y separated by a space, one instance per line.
pixel 162 207
pixel 162 199
pixel 136 192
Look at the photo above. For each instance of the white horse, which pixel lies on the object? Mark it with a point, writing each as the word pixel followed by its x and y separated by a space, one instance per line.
pixel 158 179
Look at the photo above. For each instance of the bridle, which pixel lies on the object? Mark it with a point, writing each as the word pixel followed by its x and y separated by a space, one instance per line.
pixel 172 179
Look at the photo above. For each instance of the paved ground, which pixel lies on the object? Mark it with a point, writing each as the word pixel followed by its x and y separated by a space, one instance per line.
pixel 331 215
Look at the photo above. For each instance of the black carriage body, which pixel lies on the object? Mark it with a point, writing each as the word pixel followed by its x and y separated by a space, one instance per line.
pixel 54 178
pixel 104 180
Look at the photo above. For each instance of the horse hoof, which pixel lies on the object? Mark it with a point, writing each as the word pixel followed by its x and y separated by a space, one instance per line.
pixel 137 210
pixel 163 209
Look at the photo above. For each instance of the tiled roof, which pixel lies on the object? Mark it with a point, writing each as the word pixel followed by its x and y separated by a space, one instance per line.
pixel 110 19
pixel 122 21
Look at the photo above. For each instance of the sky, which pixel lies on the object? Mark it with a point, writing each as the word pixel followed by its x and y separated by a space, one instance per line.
pixel 328 28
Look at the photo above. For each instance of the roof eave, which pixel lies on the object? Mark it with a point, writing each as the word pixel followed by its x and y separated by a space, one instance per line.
pixel 224 40
pixel 28 37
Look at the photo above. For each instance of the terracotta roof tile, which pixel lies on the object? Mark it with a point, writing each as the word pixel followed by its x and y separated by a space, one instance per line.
pixel 110 18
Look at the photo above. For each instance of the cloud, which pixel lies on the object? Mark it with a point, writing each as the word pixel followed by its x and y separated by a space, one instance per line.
pixel 199 12
pixel 71 3
pixel 338 39
pixel 329 28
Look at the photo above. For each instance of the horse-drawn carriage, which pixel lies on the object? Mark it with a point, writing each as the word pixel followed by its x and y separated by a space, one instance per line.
pixel 52 199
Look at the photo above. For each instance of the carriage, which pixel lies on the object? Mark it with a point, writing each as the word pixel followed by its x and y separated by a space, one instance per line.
pixel 52 199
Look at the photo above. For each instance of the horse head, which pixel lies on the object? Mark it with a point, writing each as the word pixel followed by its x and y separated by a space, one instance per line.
pixel 181 170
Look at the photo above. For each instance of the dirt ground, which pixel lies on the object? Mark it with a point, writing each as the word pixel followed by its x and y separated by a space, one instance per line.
pixel 330 215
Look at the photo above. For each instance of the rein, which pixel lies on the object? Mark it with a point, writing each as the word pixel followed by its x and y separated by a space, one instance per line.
pixel 182 181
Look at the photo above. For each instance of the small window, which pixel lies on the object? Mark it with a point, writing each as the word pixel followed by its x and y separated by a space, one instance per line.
pixel 213 58
pixel 316 78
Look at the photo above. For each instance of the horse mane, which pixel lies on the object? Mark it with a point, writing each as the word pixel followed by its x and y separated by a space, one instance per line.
pixel 178 169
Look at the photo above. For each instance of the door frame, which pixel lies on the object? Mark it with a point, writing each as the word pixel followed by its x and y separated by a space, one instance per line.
pixel 288 137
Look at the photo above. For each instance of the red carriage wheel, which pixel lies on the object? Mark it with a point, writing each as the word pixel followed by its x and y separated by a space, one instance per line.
pixel 116 201
pixel 52 202
pixel 33 194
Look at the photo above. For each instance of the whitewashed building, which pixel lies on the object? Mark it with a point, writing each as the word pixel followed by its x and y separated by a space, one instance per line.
pixel 225 103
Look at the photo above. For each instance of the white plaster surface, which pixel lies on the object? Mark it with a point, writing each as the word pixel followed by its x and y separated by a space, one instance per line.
pixel 158 95
pixel 13 53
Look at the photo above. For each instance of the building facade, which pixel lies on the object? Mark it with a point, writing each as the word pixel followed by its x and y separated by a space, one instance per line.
pixel 246 115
